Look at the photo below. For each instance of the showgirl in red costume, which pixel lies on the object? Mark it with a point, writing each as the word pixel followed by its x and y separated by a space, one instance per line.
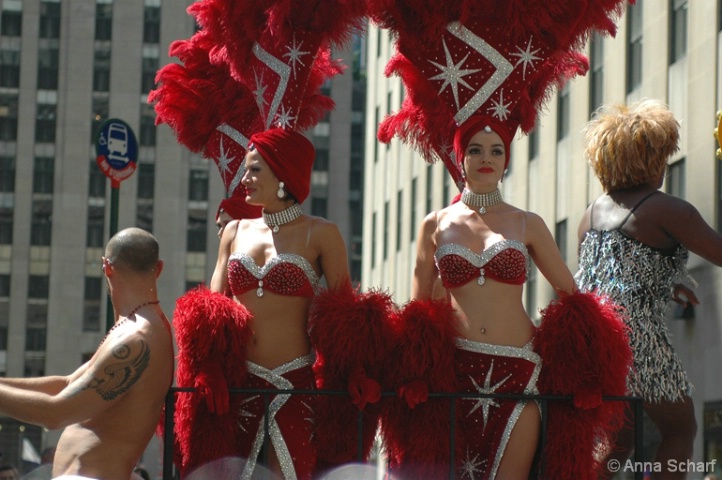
pixel 475 71
pixel 281 329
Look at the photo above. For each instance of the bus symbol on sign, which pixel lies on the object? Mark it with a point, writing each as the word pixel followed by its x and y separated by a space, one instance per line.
pixel 118 142
pixel 116 150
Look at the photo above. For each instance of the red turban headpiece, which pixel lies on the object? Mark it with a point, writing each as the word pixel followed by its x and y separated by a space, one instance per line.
pixel 475 124
pixel 290 155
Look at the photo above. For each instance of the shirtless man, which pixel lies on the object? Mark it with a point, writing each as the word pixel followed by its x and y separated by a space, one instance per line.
pixel 111 405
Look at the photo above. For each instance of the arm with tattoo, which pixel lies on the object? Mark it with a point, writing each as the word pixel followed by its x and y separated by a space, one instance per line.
pixel 116 376
pixel 89 391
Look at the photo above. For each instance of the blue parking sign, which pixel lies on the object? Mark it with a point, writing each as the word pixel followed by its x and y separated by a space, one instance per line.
pixel 116 150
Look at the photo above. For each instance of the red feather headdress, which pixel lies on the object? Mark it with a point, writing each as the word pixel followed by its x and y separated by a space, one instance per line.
pixel 252 66
pixel 462 59
pixel 210 111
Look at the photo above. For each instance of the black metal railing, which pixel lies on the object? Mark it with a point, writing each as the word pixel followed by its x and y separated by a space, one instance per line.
pixel 636 403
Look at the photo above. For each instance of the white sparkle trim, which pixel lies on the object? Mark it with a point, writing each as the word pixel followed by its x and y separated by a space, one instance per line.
pixel 284 71
pixel 503 69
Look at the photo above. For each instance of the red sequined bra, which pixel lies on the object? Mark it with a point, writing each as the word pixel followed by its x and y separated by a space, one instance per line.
pixel 506 261
pixel 284 274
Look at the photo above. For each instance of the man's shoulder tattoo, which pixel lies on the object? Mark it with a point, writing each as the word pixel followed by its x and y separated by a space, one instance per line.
pixel 119 374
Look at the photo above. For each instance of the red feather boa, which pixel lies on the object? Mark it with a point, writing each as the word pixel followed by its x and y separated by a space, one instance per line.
pixel 350 331
pixel 212 332
pixel 418 439
pixel 585 352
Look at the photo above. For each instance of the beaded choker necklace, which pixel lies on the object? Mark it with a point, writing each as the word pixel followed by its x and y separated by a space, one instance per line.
pixel 481 200
pixel 125 320
pixel 275 220
pixel 152 302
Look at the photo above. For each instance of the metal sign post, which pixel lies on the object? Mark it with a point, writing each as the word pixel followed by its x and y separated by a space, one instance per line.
pixel 116 151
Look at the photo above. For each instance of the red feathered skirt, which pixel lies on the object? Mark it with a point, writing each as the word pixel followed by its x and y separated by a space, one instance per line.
pixel 486 423
pixel 290 418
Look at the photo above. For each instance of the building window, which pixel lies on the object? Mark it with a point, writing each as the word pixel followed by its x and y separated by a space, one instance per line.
pixel 447 188
pixel 103 21
pixel 198 185
pixel 413 208
pixel 34 366
pixel 91 304
pixel 563 113
pixel 146 192
pixel 146 180
pixel 48 65
pixel 634 45
pixel 36 338
pixel 197 225
pixel 49 19
pixel 45 123
pixel 41 223
pixel 7 174
pixel 38 286
pixel 9 68
pixel 43 175
pixel 144 214
pixel 6 226
pixel 429 187
pixel 357 219
pixel 320 164
pixel 377 117
pixel 100 115
pixel 379 36
pixel 373 240
pixel 4 285
pixel 675 179
pixel 100 109
pixel 399 216
pixel 96 181
pixel 11 23
pixel 530 291
pixel 596 75
pixel 150 67
pixel 678 27
pixel 534 143
pixel 8 118
pixel 386 230
pixel 151 24
pixel 148 129
pixel 319 206
pixel 101 70
pixel 356 174
pixel 96 227
pixel 560 234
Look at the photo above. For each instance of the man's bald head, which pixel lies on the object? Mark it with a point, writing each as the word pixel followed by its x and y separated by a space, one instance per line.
pixel 133 249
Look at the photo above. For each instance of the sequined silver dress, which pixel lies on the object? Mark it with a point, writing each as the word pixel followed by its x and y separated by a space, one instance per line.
pixel 639 278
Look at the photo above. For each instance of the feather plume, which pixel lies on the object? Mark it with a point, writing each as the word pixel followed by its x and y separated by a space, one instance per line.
pixel 424 338
pixel 585 351
pixel 349 329
pixel 212 332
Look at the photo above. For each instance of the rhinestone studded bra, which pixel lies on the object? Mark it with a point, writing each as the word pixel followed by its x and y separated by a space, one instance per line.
pixel 275 220
pixel 506 261
pixel 285 274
